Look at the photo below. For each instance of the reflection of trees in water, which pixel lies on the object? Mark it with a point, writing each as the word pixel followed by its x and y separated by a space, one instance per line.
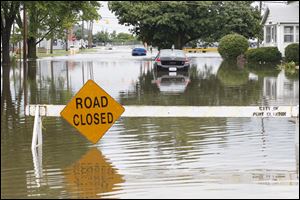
pixel 18 86
pixel 11 104
pixel 13 129
pixel 55 87
pixel 231 75
pixel 205 88
pixel 262 70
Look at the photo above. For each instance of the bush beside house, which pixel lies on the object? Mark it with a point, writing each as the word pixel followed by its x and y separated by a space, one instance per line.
pixel 292 53
pixel 232 45
pixel 264 55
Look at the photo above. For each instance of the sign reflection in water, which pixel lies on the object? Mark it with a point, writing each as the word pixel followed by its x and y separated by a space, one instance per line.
pixel 91 176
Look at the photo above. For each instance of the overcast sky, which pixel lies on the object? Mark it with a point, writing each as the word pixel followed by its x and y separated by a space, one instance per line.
pixel 108 22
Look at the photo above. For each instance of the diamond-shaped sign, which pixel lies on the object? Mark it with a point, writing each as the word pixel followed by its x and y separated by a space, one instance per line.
pixel 92 111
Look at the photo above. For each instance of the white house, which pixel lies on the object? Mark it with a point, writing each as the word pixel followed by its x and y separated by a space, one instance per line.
pixel 281 25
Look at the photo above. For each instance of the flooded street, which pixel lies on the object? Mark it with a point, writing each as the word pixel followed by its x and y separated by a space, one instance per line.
pixel 149 157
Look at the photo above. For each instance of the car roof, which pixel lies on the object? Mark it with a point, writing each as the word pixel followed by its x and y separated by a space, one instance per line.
pixel 139 48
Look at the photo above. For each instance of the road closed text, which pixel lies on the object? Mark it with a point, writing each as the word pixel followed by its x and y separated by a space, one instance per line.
pixel 92 118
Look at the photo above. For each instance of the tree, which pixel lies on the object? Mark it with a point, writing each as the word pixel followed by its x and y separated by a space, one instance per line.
pixel 79 32
pixel 9 10
pixel 48 19
pixel 124 37
pixel 164 23
pixel 102 37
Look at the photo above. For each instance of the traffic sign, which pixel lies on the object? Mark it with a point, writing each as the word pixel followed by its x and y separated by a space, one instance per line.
pixel 92 111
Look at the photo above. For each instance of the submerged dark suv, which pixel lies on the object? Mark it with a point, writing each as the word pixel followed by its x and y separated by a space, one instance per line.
pixel 171 59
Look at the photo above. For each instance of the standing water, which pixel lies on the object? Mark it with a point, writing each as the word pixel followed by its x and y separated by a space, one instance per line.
pixel 149 157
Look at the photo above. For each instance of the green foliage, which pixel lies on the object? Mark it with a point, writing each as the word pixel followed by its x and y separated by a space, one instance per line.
pixel 102 37
pixel 263 55
pixel 232 45
pixel 291 69
pixel 51 18
pixel 164 23
pixel 105 37
pixel 292 53
pixel 77 30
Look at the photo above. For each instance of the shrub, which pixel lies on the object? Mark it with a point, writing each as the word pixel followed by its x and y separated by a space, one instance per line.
pixel 232 45
pixel 264 55
pixel 291 70
pixel 292 53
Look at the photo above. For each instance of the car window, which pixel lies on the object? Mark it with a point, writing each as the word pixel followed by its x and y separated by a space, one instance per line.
pixel 177 53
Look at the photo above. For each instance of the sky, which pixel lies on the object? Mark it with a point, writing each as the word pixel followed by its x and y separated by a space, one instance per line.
pixel 108 22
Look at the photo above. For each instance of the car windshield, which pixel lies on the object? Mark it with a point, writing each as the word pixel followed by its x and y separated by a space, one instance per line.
pixel 176 53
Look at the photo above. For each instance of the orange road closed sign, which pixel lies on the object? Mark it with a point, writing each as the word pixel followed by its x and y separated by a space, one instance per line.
pixel 92 111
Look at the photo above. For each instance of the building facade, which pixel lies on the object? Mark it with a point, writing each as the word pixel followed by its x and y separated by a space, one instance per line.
pixel 281 25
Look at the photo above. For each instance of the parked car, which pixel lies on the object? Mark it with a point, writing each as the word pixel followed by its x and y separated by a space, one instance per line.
pixel 108 47
pixel 139 51
pixel 73 48
pixel 171 59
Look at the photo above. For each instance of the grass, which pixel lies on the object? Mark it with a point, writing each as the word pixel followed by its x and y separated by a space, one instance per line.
pixel 59 53
pixel 63 53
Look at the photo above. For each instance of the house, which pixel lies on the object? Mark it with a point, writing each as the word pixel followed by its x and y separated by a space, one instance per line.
pixel 281 25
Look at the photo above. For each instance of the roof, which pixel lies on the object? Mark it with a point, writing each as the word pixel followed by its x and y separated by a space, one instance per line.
pixel 281 13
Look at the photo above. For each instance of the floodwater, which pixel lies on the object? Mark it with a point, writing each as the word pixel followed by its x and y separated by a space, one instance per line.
pixel 149 157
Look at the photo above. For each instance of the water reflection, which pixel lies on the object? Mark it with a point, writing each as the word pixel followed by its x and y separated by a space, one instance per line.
pixel 203 85
pixel 280 87
pixel 186 156
pixel 37 157
pixel 276 85
pixel 91 176
pixel 230 75
pixel 171 82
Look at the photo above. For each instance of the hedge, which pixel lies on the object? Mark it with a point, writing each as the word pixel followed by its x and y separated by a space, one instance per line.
pixel 263 55
pixel 292 53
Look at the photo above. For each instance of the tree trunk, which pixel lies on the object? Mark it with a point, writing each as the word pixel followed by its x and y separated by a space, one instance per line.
pixel 67 38
pixel 90 35
pixel 31 48
pixel 5 45
pixel 51 46
pixel 178 42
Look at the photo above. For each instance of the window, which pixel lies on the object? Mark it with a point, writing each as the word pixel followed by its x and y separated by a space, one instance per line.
pixel 271 34
pixel 297 33
pixel 274 34
pixel 268 34
pixel 288 34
